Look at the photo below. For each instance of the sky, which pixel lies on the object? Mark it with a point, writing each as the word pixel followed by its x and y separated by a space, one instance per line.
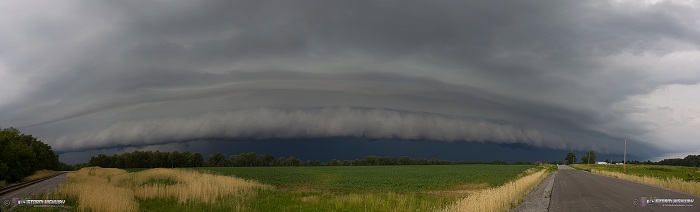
pixel 89 77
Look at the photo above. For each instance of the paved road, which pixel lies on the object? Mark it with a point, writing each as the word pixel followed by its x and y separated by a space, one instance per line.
pixel 576 190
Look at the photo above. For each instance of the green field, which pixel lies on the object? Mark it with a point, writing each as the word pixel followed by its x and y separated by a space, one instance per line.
pixel 371 188
pixel 375 178
pixel 321 188
pixel 657 171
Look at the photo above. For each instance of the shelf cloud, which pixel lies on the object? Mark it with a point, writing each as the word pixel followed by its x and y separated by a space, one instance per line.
pixel 567 75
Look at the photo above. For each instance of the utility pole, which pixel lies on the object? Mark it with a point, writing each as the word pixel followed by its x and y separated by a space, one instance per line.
pixel 589 158
pixel 624 158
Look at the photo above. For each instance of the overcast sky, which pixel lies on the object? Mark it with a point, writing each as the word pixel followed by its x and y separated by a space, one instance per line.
pixel 564 75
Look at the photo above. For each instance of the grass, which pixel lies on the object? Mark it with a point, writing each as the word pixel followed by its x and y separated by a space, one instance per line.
pixel 358 188
pixel 657 171
pixel 685 179
pixel 92 189
pixel 102 189
pixel 136 169
pixel 370 188
pixel 37 175
pixel 40 174
pixel 501 198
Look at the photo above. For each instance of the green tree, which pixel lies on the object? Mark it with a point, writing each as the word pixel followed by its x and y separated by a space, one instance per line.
pixel 217 160
pixel 292 161
pixel 404 160
pixel 266 160
pixel 178 159
pixel 588 154
pixel 334 162
pixel 22 154
pixel 371 160
pixel 249 159
pixel 499 162
pixel 196 160
pixel 570 158
pixel 692 160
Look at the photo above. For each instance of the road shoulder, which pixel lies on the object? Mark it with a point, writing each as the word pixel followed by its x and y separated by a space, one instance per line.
pixel 538 199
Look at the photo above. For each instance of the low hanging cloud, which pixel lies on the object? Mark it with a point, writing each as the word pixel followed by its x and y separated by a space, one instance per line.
pixel 310 123
pixel 572 75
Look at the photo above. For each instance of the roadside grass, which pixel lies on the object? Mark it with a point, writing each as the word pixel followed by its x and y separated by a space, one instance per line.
pixel 501 198
pixel 550 167
pixel 40 174
pixel 370 188
pixel 658 171
pixel 686 179
pixel 670 183
pixel 106 189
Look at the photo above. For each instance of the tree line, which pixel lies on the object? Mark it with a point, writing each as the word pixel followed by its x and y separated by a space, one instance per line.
pixel 147 159
pixel 157 159
pixel 690 160
pixel 21 155
pixel 588 157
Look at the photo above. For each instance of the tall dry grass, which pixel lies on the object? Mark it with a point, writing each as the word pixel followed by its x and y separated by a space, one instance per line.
pixel 188 186
pixel 670 183
pixel 92 188
pixel 40 174
pixel 501 198
pixel 106 189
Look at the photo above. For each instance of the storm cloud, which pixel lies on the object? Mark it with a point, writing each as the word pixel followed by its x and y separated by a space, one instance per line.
pixel 569 75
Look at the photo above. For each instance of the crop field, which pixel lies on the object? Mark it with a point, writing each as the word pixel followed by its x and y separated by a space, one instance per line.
pixel 685 179
pixel 373 188
pixel 323 188
pixel 375 178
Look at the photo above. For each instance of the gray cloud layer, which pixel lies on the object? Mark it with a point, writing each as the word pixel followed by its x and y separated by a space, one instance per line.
pixel 557 74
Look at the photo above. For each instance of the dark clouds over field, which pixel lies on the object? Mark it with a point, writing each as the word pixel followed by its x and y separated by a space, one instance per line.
pixel 561 75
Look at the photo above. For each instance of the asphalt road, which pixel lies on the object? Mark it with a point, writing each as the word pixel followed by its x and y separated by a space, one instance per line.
pixel 576 190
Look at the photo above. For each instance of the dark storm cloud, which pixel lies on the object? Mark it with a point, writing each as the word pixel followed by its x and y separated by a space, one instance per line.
pixel 95 75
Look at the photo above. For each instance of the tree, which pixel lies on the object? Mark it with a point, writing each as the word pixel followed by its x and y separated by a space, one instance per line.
pixel 692 160
pixel 101 160
pixel 280 161
pixel 155 160
pixel 499 162
pixel 249 159
pixel 266 160
pixel 371 160
pixel 404 160
pixel 22 154
pixel 334 162
pixel 196 160
pixel 570 158
pixel 588 154
pixel 216 160
pixel 292 161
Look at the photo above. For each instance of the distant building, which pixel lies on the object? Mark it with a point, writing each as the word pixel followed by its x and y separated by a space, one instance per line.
pixel 619 163
pixel 602 162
